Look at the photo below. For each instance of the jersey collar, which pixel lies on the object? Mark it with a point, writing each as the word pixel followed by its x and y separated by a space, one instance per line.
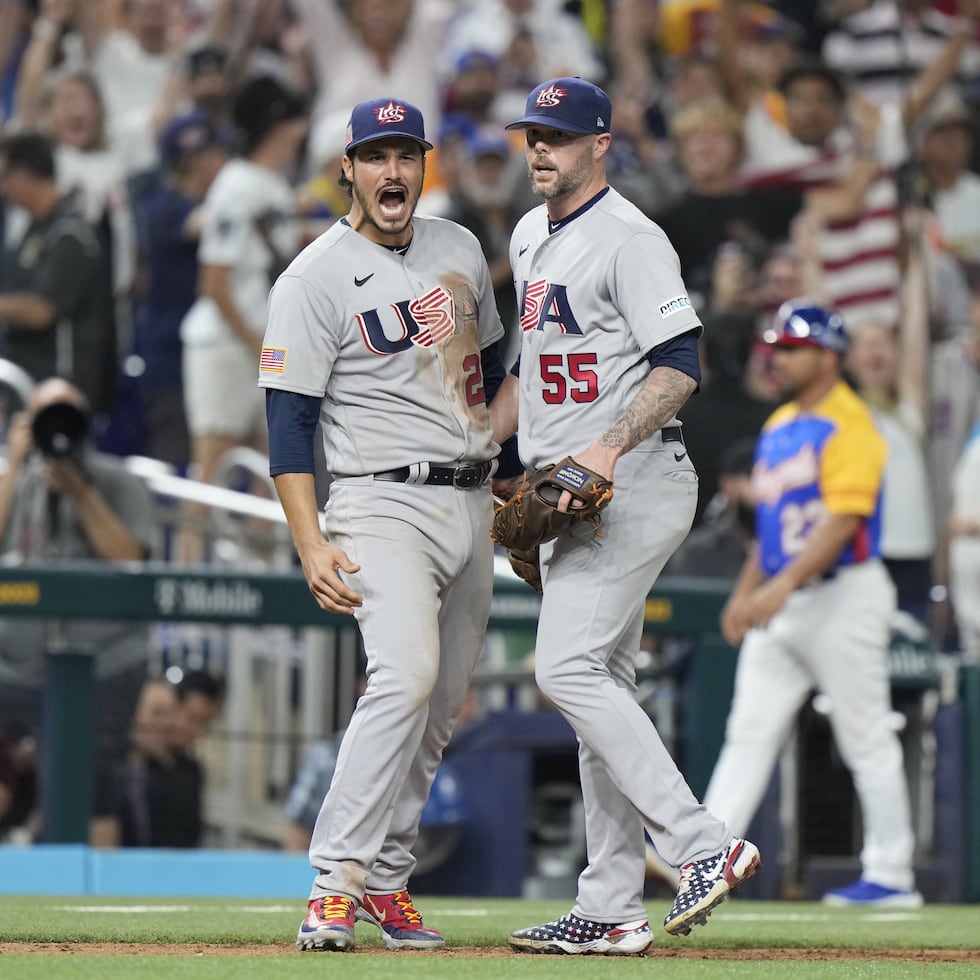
pixel 554 226
pixel 397 249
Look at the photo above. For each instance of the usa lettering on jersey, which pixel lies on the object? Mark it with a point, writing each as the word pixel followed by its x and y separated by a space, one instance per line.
pixel 423 321
pixel 542 303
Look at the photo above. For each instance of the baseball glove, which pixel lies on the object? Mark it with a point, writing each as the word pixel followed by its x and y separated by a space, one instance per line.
pixel 527 565
pixel 531 516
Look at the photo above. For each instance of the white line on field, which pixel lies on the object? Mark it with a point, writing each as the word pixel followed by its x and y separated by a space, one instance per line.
pixel 115 909
pixel 474 913
pixel 254 909
pixel 891 917
pixel 880 916
pixel 259 909
pixel 820 916
pixel 149 909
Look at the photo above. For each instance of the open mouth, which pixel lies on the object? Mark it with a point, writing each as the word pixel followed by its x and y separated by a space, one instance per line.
pixel 392 200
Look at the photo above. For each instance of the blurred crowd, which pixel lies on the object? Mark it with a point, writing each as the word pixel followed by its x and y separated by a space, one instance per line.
pixel 162 160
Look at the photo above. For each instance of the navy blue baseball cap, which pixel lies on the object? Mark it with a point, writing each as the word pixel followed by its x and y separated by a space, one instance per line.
pixel 380 118
pixel 569 104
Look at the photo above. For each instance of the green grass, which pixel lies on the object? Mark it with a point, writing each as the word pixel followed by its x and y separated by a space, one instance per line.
pixel 421 968
pixel 738 925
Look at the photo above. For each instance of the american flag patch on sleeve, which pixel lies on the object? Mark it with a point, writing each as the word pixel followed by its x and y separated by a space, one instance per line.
pixel 273 359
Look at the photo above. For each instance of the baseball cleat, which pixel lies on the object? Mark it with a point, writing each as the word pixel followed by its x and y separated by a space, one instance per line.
pixel 868 894
pixel 570 934
pixel 329 925
pixel 705 884
pixel 399 921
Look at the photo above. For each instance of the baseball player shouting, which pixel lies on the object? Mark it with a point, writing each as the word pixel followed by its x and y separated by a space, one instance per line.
pixel 382 333
pixel 812 604
pixel 608 356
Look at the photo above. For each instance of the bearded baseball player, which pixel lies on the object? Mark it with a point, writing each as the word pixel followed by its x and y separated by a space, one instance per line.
pixel 608 356
pixel 812 605
pixel 382 339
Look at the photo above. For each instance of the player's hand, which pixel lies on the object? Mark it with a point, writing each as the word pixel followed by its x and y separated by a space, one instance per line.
pixel 321 567
pixel 767 600
pixel 735 623
pixel 596 458
pixel 64 476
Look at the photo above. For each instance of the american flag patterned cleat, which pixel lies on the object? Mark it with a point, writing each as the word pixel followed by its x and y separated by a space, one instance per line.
pixel 705 884
pixel 571 934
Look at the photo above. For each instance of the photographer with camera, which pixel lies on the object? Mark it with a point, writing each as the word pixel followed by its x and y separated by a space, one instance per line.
pixel 56 307
pixel 60 499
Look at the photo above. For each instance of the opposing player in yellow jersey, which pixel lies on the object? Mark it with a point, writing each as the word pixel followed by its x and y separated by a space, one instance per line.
pixel 812 605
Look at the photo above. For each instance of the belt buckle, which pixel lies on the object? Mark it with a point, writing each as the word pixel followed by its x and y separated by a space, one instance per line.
pixel 466 477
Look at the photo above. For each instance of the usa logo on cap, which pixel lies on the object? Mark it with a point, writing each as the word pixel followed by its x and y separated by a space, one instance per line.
pixel 382 119
pixel 571 104
pixel 550 96
pixel 390 113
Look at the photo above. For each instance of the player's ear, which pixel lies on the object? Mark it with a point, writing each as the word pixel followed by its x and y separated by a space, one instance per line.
pixel 347 166
pixel 601 146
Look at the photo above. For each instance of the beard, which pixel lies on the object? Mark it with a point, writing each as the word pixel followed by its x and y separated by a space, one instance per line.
pixel 371 210
pixel 566 182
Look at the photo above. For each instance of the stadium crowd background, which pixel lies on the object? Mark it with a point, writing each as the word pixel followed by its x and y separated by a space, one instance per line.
pixel 826 148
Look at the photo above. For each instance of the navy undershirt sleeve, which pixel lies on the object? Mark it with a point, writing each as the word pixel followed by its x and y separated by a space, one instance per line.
pixel 508 462
pixel 493 371
pixel 293 420
pixel 680 353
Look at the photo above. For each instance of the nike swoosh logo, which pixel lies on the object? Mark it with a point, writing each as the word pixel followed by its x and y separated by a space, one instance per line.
pixel 521 251
pixel 360 282
pixel 679 456
pixel 717 869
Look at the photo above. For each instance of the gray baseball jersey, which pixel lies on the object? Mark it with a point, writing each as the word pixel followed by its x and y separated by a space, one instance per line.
pixel 610 313
pixel 391 343
pixel 596 293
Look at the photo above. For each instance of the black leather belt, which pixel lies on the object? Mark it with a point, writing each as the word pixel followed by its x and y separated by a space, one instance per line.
pixel 463 477
pixel 673 433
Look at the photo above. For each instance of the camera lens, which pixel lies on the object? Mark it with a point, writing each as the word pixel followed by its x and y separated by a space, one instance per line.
pixel 59 430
